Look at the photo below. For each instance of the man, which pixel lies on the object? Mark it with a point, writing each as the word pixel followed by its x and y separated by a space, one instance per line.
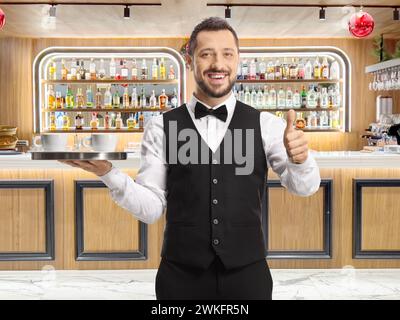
pixel 213 242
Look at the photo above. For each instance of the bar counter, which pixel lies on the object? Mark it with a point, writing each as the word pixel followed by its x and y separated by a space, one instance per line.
pixel 53 214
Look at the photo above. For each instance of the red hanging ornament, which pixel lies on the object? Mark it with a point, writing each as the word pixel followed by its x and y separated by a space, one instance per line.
pixel 2 19
pixel 361 24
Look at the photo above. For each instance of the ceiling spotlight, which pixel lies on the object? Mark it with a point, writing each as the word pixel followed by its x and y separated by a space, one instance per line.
pixel 396 14
pixel 322 13
pixel 127 12
pixel 228 12
pixel 52 11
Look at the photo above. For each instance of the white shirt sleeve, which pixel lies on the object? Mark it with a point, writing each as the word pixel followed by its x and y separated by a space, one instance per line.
pixel 144 197
pixel 301 179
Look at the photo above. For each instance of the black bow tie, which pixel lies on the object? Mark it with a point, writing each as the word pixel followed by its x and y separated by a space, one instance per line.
pixel 201 110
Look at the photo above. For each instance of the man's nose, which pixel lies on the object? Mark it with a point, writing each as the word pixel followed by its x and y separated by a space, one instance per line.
pixel 217 61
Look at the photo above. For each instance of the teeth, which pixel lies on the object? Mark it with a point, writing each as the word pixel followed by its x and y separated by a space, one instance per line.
pixel 217 76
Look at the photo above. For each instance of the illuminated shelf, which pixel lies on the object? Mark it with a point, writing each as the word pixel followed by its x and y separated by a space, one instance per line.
pixel 131 110
pixel 299 109
pixel 88 130
pixel 290 81
pixel 320 130
pixel 175 81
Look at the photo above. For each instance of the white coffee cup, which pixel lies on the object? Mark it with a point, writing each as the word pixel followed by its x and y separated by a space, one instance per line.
pixel 101 142
pixel 51 141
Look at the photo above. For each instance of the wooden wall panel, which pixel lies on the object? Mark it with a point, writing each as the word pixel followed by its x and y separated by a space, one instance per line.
pixel 380 218
pixel 295 223
pixel 22 214
pixel 107 227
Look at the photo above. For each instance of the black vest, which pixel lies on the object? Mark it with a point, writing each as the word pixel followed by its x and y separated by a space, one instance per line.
pixel 211 210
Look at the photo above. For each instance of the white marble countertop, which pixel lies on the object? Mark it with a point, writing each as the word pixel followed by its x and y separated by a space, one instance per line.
pixel 332 159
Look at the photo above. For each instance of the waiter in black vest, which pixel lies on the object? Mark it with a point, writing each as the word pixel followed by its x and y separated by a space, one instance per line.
pixel 206 163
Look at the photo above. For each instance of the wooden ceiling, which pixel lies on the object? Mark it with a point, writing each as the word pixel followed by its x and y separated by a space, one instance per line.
pixel 176 18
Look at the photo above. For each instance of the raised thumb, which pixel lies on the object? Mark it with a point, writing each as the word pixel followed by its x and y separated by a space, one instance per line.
pixel 291 116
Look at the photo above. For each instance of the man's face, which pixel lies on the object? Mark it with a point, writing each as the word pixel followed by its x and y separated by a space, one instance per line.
pixel 215 61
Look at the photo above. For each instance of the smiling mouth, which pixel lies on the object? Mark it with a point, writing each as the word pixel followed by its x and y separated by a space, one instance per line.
pixel 215 76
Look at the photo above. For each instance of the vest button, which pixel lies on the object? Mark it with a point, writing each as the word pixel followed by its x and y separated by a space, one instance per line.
pixel 215 161
pixel 215 201
pixel 216 242
pixel 215 221
pixel 215 181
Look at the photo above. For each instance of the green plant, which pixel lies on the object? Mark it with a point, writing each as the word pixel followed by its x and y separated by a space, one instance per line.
pixel 379 50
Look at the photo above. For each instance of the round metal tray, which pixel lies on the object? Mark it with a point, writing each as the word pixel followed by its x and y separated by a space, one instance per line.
pixel 71 155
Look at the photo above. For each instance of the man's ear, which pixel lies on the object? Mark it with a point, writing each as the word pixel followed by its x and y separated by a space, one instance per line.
pixel 189 62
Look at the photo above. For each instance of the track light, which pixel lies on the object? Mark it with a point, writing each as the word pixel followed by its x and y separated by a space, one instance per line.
pixel 228 12
pixel 396 14
pixel 127 12
pixel 322 13
pixel 52 11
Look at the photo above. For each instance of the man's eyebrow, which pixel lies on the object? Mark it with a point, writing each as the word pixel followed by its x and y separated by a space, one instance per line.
pixel 207 49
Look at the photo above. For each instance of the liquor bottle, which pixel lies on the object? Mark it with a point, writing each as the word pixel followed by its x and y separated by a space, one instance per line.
pixel 300 122
pixel 108 98
pixel 239 71
pixel 65 122
pixel 116 99
pixel 141 121
pixel 154 70
pixel 134 70
pixel 289 98
pixel 281 98
pixel 303 97
pixel 324 119
pixel 262 67
pixel 130 122
pixel 311 98
pixel 118 122
pixel 77 67
pixel 325 68
pixel 134 99
pixel 79 121
pixel 308 70
pixel 253 97
pixel 74 70
pixel 64 70
pixel 82 71
pixel 99 99
pixel 125 98
pixel 174 99
pixel 253 70
pixel 247 96
pixel 163 100
pixel 324 98
pixel 92 69
pixel 338 97
pixel 69 99
pixel 259 100
pixel 59 119
pixel 102 70
pixel 317 69
pixel 171 72
pixel 113 68
pixel 52 70
pixel 245 70
pixel 265 97
pixel 293 70
pixel 272 98
pixel 52 125
pixel 241 93
pixel 51 98
pixel 59 100
pixel 334 119
pixel 153 100
pixel 163 71
pixel 89 97
pixel 334 72
pixel 118 69
pixel 79 98
pixel 143 103
pixel 124 71
pixel 301 70
pixel 296 99
pixel 94 123
pixel 270 70
pixel 278 70
pixel 107 121
pixel 143 74
pixel 312 120
pixel 285 70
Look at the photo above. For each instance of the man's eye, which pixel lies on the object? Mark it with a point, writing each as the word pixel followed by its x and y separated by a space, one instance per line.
pixel 205 55
pixel 228 54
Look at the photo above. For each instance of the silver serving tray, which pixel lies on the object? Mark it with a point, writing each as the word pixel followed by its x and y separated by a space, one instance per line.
pixel 77 155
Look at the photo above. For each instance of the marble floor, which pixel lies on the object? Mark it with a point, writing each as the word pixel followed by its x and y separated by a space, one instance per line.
pixel 306 284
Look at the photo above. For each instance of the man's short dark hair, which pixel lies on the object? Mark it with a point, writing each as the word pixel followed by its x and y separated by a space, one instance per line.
pixel 210 24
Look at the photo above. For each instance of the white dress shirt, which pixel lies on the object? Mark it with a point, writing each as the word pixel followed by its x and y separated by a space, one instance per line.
pixel 145 196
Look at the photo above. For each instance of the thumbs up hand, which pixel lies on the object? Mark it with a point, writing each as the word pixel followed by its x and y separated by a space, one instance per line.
pixel 295 141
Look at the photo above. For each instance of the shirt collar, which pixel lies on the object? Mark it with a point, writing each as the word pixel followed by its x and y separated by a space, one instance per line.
pixel 230 103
